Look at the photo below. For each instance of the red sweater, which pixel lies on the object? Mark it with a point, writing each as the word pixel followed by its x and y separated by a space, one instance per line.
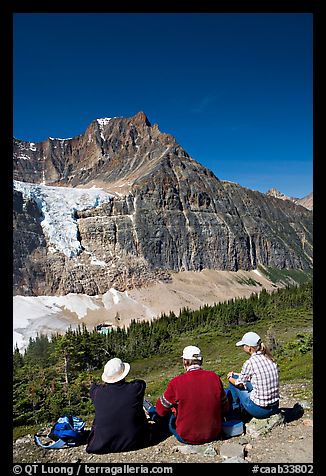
pixel 199 398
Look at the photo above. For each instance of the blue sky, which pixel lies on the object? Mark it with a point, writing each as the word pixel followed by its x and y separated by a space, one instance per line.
pixel 234 89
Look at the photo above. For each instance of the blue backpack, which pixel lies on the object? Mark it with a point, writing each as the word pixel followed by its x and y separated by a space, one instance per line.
pixel 68 430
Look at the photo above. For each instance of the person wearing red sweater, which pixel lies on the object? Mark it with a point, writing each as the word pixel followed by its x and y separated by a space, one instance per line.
pixel 196 401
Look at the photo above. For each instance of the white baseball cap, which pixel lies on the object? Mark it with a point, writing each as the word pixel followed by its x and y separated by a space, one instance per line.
pixel 115 370
pixel 191 352
pixel 250 338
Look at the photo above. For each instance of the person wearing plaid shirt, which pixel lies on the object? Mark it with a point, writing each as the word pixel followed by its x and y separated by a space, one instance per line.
pixel 256 388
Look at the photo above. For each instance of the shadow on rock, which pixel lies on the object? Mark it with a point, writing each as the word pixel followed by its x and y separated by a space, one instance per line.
pixel 291 414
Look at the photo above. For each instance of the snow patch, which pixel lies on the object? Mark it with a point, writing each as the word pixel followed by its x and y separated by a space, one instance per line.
pixel 116 295
pixel 78 303
pixel 23 157
pixel 96 262
pixel 113 296
pixel 32 314
pixel 58 206
pixel 104 121
pixel 257 272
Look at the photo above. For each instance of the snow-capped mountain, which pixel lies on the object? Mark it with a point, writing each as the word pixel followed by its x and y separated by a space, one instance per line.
pixel 123 206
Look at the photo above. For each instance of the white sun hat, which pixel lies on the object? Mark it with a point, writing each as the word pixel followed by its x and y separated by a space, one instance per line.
pixel 191 352
pixel 250 338
pixel 115 370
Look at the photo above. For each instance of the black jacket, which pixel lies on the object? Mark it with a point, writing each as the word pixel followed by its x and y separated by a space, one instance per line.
pixel 120 423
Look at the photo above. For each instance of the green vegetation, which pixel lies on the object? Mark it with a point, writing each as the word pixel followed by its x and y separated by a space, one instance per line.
pixel 248 282
pixel 286 276
pixel 54 374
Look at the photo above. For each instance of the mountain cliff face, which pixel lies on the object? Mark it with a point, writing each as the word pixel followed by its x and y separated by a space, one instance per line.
pixel 163 212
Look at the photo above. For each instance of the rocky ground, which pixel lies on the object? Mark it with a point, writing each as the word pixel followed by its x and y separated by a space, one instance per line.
pixel 290 440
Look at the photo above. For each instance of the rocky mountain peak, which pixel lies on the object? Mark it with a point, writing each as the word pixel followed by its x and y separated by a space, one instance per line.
pixel 141 119
pixel 273 192
pixel 115 151
pixel 306 201
pixel 161 211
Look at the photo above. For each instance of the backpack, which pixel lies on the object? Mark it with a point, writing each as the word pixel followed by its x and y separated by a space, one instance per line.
pixel 68 430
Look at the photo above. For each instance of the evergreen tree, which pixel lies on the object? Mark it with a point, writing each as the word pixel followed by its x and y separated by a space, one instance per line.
pixel 54 374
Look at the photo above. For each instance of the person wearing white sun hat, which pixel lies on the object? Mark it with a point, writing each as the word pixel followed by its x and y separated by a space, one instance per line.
pixel 254 392
pixel 120 423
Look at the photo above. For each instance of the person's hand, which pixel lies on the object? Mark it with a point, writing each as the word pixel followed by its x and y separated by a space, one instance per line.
pixel 230 374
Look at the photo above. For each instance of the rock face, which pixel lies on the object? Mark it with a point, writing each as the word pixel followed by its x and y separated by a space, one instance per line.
pixel 167 213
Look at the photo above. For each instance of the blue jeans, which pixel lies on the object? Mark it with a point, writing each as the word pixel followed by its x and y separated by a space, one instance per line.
pixel 173 430
pixel 240 399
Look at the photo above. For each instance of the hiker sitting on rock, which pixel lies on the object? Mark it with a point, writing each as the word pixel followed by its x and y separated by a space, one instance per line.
pixel 120 422
pixel 256 388
pixel 194 402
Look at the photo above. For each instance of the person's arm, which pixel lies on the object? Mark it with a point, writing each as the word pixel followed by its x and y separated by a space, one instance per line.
pixel 93 390
pixel 166 401
pixel 233 378
pixel 232 374
pixel 244 376
pixel 140 386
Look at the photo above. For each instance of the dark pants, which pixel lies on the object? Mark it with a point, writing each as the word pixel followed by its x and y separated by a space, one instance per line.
pixel 165 423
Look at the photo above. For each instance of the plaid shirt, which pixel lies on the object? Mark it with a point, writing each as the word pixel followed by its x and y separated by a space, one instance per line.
pixel 263 374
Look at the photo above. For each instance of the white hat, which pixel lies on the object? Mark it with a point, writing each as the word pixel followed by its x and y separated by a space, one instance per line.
pixel 115 370
pixel 191 352
pixel 250 338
